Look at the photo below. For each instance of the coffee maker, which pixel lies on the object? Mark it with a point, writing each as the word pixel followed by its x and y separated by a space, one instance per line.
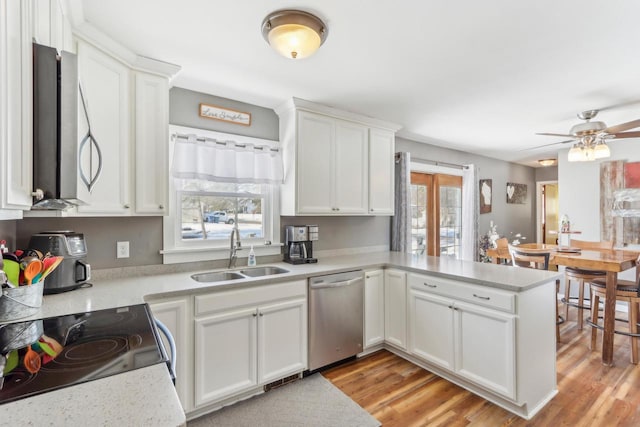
pixel 298 248
pixel 73 271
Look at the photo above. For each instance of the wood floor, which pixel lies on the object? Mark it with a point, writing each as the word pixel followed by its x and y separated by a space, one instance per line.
pixel 399 393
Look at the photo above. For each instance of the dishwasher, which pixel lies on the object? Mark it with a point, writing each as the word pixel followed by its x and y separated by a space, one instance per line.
pixel 336 307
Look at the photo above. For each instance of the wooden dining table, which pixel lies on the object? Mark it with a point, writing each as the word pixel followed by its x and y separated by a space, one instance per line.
pixel 612 261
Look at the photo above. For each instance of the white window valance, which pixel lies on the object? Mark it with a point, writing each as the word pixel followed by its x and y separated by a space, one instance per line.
pixel 196 157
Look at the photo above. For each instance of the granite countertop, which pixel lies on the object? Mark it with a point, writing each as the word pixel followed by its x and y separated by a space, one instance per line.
pixel 123 287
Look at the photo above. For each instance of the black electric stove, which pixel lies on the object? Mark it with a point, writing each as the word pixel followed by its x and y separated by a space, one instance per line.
pixel 76 348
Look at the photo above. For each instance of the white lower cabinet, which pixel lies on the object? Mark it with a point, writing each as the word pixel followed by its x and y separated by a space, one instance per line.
pixel 175 314
pixel 373 308
pixel 246 338
pixel 476 343
pixel 395 308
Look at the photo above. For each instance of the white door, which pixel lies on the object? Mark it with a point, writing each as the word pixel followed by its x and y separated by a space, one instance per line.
pixel 225 355
pixel 151 144
pixel 373 308
pixel 485 348
pixel 316 138
pixel 106 85
pixel 395 308
pixel 351 168
pixel 174 315
pixel 381 171
pixel 431 328
pixel 282 339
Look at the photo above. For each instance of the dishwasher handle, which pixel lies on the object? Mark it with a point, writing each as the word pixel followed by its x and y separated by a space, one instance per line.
pixel 322 285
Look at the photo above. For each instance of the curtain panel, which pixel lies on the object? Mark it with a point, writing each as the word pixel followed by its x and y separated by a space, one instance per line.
pixel 401 220
pixel 225 161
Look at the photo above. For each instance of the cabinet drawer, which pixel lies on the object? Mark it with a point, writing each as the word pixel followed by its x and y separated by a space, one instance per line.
pixel 257 295
pixel 480 295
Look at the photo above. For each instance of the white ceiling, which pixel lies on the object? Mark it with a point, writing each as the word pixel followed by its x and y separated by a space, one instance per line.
pixel 478 76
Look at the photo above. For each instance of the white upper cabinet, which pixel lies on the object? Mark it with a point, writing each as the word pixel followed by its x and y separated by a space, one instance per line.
pixel 15 108
pixel 50 25
pixel 105 83
pixel 336 163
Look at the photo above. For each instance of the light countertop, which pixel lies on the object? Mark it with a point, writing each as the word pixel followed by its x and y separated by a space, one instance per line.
pixel 111 398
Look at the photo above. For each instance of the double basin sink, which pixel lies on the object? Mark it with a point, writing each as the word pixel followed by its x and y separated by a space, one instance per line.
pixel 221 276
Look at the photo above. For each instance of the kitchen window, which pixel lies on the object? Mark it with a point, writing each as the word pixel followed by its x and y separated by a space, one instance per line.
pixel 206 204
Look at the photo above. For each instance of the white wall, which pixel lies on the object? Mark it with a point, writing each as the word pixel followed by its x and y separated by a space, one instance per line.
pixel 579 188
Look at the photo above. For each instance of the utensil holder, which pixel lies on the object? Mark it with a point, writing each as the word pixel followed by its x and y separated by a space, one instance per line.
pixel 20 302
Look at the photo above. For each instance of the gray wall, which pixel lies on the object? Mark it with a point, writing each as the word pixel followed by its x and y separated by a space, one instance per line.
pixel 510 218
pixel 549 173
pixel 184 107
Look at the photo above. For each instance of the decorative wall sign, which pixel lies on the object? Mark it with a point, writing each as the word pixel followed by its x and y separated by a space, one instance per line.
pixel 516 193
pixel 485 196
pixel 225 114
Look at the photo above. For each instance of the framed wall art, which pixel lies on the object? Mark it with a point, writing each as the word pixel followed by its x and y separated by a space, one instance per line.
pixel 485 196
pixel 225 114
pixel 516 193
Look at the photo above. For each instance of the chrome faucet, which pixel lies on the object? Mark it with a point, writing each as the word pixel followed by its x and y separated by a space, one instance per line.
pixel 236 245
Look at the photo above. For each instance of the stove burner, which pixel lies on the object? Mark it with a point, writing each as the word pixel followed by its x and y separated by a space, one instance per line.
pixel 94 351
pixel 17 379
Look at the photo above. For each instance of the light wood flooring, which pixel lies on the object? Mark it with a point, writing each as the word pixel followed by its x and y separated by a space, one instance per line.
pixel 399 393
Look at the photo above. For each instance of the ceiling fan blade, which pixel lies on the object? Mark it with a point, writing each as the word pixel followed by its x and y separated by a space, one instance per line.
pixel 623 126
pixel 547 145
pixel 556 134
pixel 635 134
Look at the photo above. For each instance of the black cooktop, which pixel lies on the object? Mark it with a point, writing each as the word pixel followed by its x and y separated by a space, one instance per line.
pixel 72 349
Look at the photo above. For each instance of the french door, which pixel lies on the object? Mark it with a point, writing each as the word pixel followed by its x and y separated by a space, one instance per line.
pixel 436 214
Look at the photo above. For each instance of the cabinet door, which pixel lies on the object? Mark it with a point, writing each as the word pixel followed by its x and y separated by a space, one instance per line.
pixel 316 137
pixel 373 308
pixel 431 328
pixel 174 314
pixel 15 107
pixel 395 308
pixel 151 146
pixel 225 355
pixel 485 348
pixel 351 168
pixel 106 84
pixel 282 340
pixel 381 171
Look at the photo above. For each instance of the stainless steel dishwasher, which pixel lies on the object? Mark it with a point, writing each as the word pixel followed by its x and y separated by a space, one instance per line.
pixel 335 317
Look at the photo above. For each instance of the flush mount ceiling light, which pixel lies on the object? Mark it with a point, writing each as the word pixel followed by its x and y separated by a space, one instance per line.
pixel 547 162
pixel 293 33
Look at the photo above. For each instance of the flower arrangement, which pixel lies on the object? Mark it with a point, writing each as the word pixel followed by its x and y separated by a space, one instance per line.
pixel 488 241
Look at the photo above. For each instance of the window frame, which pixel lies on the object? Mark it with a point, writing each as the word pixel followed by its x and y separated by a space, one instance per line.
pixel 177 250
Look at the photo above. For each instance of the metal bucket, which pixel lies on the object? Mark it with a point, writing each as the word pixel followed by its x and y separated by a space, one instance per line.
pixel 14 336
pixel 16 303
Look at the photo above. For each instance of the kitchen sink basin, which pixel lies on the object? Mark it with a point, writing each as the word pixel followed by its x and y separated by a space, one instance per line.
pixel 267 270
pixel 217 276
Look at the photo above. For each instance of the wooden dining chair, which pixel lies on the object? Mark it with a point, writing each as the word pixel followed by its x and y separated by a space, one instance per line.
pixel 581 276
pixel 540 260
pixel 626 291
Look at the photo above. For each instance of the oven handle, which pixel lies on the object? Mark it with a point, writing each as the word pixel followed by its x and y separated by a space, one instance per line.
pixel 172 346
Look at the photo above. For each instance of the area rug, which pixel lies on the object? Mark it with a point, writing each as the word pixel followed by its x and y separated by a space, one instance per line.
pixel 310 402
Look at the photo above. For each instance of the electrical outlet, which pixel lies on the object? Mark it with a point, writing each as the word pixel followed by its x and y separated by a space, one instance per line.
pixel 122 250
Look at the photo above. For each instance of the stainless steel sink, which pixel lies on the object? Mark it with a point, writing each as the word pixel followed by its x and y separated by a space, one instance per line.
pixel 217 276
pixel 266 270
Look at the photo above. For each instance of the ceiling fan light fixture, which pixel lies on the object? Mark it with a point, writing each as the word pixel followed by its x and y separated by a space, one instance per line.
pixel 601 151
pixel 547 162
pixel 587 128
pixel 578 153
pixel 293 33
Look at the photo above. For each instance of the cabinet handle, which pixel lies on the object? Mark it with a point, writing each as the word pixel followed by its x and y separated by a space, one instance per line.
pixel 455 308
pixel 255 314
pixel 368 277
pixel 450 306
pixel 480 297
pixel 261 314
pixel 160 206
pixel 371 209
pixel 126 206
pixel 429 285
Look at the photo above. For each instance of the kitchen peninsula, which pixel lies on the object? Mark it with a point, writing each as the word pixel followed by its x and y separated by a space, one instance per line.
pixel 488 328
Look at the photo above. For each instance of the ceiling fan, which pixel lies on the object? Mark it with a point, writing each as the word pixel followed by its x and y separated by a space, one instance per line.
pixel 591 136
